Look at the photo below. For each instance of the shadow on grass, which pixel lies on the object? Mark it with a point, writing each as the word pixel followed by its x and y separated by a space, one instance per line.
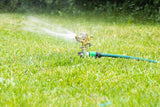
pixel 59 59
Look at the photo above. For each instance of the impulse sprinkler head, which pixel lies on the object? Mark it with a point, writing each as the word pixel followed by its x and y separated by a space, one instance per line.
pixel 84 39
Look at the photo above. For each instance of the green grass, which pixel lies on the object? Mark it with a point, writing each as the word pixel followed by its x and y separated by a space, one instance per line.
pixel 39 70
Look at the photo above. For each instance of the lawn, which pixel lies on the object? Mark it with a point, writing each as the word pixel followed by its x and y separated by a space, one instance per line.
pixel 38 69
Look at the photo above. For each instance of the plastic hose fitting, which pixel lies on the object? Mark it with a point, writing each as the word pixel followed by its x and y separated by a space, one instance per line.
pixel 95 54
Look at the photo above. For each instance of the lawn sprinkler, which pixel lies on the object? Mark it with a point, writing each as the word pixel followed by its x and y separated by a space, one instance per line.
pixel 84 39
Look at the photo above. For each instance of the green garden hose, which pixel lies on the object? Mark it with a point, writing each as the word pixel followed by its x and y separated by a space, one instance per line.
pixel 98 54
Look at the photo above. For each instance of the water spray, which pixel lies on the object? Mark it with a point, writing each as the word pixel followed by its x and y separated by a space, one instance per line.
pixel 84 39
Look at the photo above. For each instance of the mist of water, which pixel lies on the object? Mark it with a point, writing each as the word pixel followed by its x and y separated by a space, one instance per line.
pixel 36 25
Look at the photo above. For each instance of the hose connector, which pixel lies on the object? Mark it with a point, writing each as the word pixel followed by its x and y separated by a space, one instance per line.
pixel 95 54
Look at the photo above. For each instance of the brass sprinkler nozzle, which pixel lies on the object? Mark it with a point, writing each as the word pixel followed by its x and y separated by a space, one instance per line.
pixel 84 39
